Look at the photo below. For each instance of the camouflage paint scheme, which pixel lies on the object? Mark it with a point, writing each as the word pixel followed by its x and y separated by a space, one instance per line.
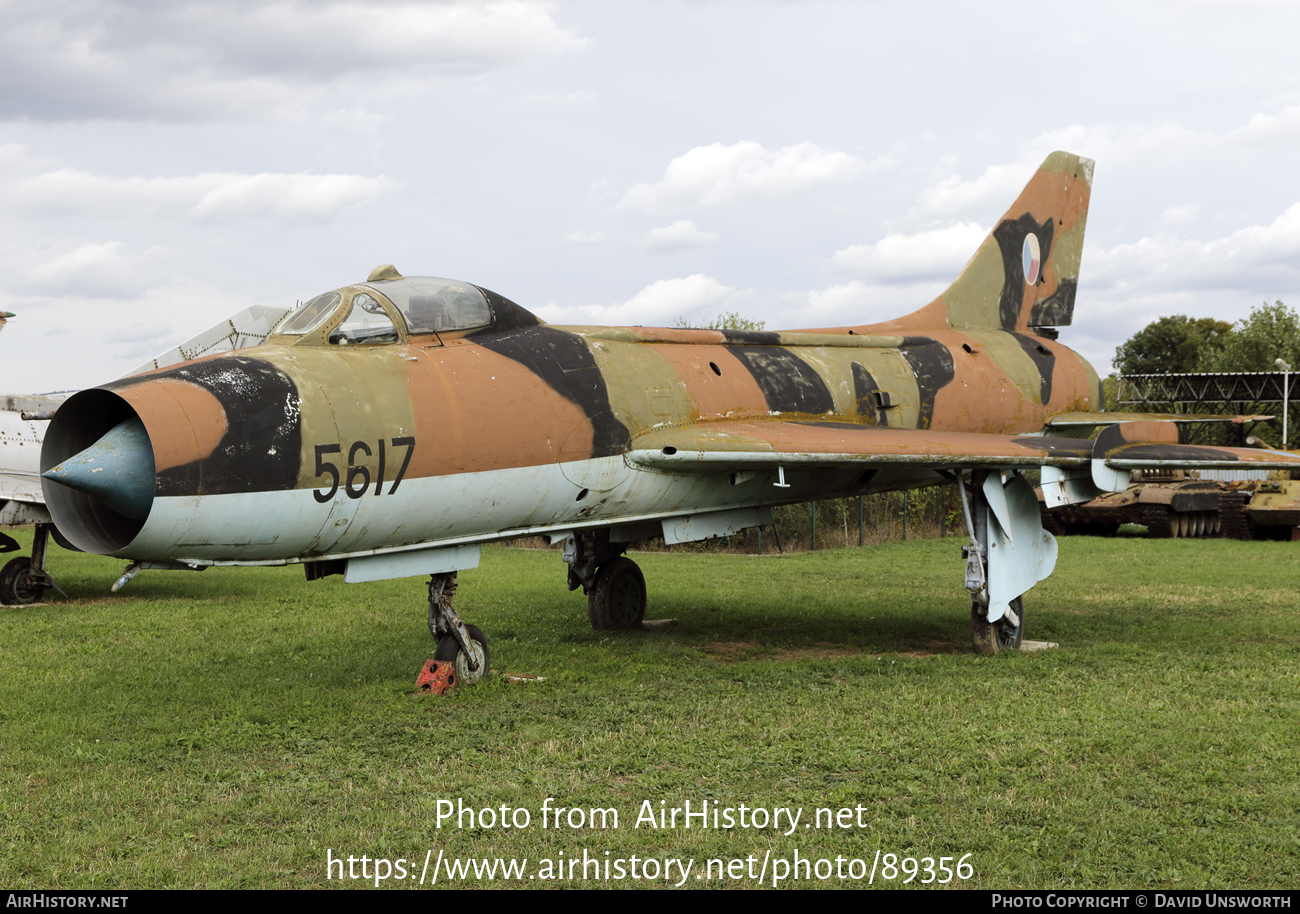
pixel 300 450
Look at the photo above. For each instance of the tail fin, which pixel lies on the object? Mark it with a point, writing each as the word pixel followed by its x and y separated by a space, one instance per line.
pixel 1027 270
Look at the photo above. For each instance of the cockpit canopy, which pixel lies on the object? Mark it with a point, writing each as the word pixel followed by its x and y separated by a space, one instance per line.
pixel 431 305
pixel 368 313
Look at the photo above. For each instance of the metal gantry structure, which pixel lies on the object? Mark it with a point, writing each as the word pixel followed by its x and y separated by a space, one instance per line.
pixel 1244 393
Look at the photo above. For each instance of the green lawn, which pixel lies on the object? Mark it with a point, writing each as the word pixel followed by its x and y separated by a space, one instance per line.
pixel 225 729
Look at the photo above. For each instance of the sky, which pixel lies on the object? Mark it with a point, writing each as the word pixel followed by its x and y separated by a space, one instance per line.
pixel 164 165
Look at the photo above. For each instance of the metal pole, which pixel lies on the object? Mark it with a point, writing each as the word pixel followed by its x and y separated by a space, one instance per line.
pixel 859 520
pixel 760 540
pixel 1286 394
pixel 814 527
pixel 905 494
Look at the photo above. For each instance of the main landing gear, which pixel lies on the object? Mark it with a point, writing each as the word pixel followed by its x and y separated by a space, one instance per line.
pixel 24 580
pixel 613 583
pixel 464 645
pixel 1009 552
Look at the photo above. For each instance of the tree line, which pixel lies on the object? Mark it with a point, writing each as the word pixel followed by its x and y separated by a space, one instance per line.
pixel 1183 345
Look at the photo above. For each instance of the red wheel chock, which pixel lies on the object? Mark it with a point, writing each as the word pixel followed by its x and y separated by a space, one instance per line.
pixel 437 676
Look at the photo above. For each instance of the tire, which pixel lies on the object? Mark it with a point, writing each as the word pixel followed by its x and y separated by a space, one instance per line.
pixel 617 599
pixel 16 586
pixel 999 636
pixel 449 649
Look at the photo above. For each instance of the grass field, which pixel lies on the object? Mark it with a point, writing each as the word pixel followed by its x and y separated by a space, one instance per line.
pixel 225 729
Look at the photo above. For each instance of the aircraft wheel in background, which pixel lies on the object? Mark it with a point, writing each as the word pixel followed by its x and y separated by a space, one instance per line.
pixel 449 649
pixel 617 598
pixel 16 585
pixel 999 636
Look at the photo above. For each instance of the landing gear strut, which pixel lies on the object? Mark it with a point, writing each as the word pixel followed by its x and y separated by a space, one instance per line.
pixel 25 580
pixel 464 645
pixel 613 583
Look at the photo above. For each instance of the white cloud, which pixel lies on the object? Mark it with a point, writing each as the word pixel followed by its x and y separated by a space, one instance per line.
pixel 93 270
pixel 1258 257
pixel 1115 147
pixel 561 99
pixel 933 254
pixel 1265 128
pixel 1177 216
pixel 204 196
pixel 856 302
pixel 992 190
pixel 580 237
pixel 679 236
pixel 658 304
pixel 63 59
pixel 357 120
pixel 717 175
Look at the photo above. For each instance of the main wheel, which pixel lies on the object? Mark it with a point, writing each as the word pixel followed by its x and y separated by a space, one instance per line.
pixel 617 598
pixel 449 649
pixel 999 636
pixel 16 584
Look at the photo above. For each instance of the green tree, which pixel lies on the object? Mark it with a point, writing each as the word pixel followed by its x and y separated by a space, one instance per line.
pixel 729 320
pixel 1173 345
pixel 1271 332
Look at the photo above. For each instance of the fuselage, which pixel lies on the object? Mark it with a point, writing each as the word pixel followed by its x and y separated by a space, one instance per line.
pixel 309 447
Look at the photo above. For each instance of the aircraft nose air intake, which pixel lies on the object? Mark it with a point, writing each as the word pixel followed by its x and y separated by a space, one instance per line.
pixel 118 469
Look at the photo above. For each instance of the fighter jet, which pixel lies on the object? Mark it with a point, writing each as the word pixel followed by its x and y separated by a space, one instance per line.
pixel 391 427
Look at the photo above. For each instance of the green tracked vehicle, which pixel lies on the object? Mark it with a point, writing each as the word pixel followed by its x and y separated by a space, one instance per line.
pixel 1169 503
pixel 1265 510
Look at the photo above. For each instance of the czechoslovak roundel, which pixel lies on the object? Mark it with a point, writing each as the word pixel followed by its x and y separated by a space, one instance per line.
pixel 1032 258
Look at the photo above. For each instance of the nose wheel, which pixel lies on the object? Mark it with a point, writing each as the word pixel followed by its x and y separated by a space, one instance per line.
pixel 449 649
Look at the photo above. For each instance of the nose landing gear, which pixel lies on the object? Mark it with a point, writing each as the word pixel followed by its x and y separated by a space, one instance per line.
pixel 464 645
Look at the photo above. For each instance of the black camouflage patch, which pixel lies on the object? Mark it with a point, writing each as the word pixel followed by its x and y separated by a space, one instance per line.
pixel 262 448
pixel 789 384
pixel 934 368
pixel 563 361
